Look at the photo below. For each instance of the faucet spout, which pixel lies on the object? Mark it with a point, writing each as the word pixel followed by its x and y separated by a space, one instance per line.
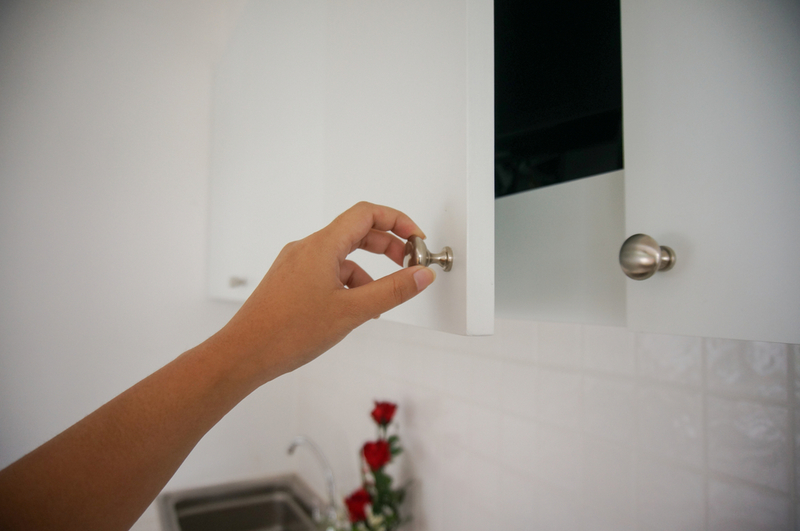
pixel 332 511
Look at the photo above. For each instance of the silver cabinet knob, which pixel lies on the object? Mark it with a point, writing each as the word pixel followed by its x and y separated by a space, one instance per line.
pixel 416 253
pixel 641 257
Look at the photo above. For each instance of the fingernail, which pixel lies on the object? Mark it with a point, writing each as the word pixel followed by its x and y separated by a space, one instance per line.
pixel 424 277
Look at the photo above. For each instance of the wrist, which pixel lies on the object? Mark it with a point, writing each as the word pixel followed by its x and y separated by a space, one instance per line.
pixel 239 361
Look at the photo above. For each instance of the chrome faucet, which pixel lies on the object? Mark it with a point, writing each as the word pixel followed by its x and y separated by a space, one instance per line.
pixel 332 514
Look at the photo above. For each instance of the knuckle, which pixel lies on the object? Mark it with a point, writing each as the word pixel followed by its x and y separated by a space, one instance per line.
pixel 364 206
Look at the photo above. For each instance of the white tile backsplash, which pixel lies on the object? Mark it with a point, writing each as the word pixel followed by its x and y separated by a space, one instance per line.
pixel 519 392
pixel 488 377
pixel 559 458
pixel 670 421
pixel 795 354
pixel 560 345
pixel 750 441
pixel 518 445
pixel 482 440
pixel 609 484
pixel 560 397
pixel 669 498
pixel 610 407
pixel 674 359
pixel 517 506
pixel 749 368
pixel 559 509
pixel 740 507
pixel 549 426
pixel 609 349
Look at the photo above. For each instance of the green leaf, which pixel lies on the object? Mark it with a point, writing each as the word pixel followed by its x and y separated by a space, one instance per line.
pixel 382 479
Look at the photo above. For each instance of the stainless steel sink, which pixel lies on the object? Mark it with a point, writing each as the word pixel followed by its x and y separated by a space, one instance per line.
pixel 281 503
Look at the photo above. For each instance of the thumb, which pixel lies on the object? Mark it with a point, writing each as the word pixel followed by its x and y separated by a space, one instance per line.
pixel 392 290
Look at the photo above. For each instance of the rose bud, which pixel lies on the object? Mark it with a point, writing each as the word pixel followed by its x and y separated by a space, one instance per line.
pixel 383 412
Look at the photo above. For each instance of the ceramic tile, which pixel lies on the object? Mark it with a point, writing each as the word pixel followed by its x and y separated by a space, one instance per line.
pixel 597 520
pixel 419 411
pixel 454 423
pixel 483 432
pixel 468 516
pixel 609 407
pixel 518 504
pixel 424 502
pixel 747 367
pixel 463 468
pixel 559 509
pixel 673 359
pixel 518 445
pixel 797 450
pixel 559 456
pixel 739 507
pixel 794 352
pixel 608 491
pixel 381 357
pixel 559 397
pixel 609 349
pixel 749 441
pixel 668 497
pixel 464 509
pixel 519 391
pixel 488 376
pixel 670 423
pixel 445 371
pixel 560 345
pixel 516 340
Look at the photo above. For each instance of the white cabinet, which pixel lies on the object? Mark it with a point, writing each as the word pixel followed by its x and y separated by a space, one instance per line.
pixel 319 104
pixel 711 105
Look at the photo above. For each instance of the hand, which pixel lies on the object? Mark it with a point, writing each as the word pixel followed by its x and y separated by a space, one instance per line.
pixel 312 296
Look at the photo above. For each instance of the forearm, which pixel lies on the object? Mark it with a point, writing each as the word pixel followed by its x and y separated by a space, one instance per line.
pixel 105 470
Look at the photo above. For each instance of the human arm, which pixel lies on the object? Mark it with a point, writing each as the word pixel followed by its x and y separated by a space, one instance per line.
pixel 105 470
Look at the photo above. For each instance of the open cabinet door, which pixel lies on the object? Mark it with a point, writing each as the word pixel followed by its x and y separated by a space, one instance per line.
pixel 712 164
pixel 321 104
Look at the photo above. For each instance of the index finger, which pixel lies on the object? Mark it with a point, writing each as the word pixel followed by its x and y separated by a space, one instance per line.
pixel 354 224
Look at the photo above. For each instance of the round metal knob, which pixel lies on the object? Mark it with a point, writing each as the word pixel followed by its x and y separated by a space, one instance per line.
pixel 416 253
pixel 641 257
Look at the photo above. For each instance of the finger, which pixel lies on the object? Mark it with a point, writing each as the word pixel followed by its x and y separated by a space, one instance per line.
pixel 383 243
pixel 392 290
pixel 355 223
pixel 352 275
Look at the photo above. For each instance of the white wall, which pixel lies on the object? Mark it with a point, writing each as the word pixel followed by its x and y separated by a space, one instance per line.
pixel 104 147
pixel 104 129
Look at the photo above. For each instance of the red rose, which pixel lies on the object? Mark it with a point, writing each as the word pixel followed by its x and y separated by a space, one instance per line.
pixel 383 412
pixel 377 454
pixel 356 505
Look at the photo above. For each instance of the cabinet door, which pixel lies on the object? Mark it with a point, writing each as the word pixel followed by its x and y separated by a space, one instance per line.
pixel 712 164
pixel 320 104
